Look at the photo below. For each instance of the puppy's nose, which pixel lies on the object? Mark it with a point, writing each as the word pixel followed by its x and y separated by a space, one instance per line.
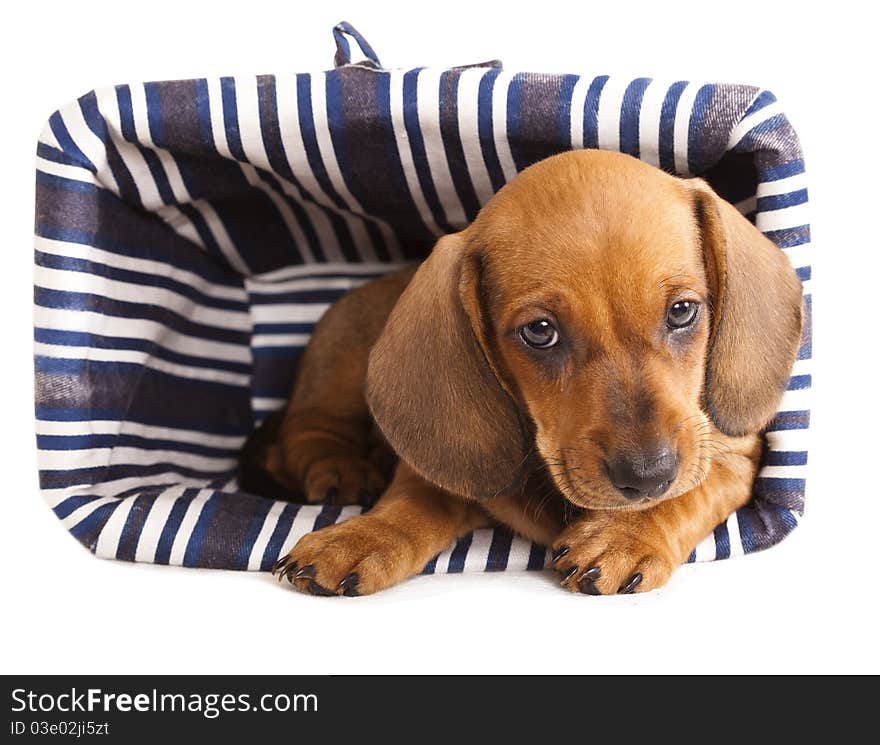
pixel 643 474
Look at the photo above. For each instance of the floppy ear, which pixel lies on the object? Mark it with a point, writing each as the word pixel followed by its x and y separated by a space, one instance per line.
pixel 432 388
pixel 756 319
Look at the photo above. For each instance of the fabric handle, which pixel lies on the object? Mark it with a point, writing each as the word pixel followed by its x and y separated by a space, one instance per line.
pixel 343 49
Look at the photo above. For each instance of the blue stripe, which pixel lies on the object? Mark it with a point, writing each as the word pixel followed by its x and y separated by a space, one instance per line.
pixel 47 152
pixel 230 118
pixel 591 112
pixel 800 382
pixel 485 127
pixel 790 237
pixel 431 566
pixel 697 129
pixel 781 201
pixel 692 557
pixel 722 542
pixel 85 442
pixel 59 129
pixel 64 508
pixel 563 111
pixel 328 515
pixel 86 341
pixel 764 99
pixel 666 142
pixel 89 528
pixel 197 537
pixel 630 114
pixel 785 420
pixel 95 412
pixel 781 171
pixel 785 458
pixel 154 114
pixel 804 273
pixel 276 542
pixel 537 555
pixel 419 153
pixel 459 554
pixel 134 524
pixel 499 550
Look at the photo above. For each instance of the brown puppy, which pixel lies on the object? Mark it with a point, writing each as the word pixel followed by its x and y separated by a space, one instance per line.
pixel 590 363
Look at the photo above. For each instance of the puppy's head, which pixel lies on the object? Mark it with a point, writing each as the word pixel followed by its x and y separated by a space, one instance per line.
pixel 600 314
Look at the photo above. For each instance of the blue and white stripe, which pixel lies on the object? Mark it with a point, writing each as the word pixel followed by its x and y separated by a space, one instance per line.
pixel 190 234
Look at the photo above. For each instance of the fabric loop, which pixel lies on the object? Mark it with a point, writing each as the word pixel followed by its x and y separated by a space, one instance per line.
pixel 343 49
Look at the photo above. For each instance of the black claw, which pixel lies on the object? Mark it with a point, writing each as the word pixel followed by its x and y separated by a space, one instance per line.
pixel 592 574
pixel 287 572
pixel 631 585
pixel 331 495
pixel 308 571
pixel 280 564
pixel 348 585
pixel 587 587
pixel 558 554
pixel 568 575
pixel 319 590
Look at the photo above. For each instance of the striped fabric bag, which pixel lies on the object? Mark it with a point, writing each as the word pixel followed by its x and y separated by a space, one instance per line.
pixel 189 234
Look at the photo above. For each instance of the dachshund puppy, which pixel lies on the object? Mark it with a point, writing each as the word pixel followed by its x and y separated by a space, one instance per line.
pixel 591 363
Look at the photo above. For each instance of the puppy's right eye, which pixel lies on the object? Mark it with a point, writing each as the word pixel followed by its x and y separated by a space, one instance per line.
pixel 539 334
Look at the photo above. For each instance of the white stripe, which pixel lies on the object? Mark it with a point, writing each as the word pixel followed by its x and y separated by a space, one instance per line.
pixel 683 111
pixel 267 404
pixel 288 313
pixel 148 541
pixel 113 289
pixel 783 472
pixel 68 460
pixel 145 359
pixel 146 266
pixel 796 400
pixel 139 328
pixel 248 105
pixel 800 255
pixel 108 539
pixel 478 553
pixel 266 530
pixel 47 137
pixel 318 89
pixel 789 440
pixel 649 121
pixel 62 170
pixel 297 159
pixel 317 270
pixel 783 185
pixel 469 128
pixel 751 121
pixel 178 188
pixel 610 105
pixel 303 284
pixel 578 101
pixel 90 144
pixel 705 549
pixel 802 367
pixel 788 217
pixel 54 497
pixel 736 547
pixel 428 98
pixel 520 551
pixel 108 105
pixel 279 340
pixel 184 532
pixel 404 150
pixel 442 564
pixel 83 511
pixel 499 125
pixel 124 427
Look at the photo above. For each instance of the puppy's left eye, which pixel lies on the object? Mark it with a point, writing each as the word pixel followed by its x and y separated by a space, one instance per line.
pixel 539 334
pixel 681 314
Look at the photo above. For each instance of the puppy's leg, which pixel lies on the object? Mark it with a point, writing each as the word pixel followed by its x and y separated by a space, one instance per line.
pixel 324 445
pixel 623 551
pixel 411 523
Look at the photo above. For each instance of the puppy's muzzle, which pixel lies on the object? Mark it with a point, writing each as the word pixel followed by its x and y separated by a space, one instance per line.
pixel 643 474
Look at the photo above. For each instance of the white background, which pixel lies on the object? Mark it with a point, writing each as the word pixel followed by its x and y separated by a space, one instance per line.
pixel 809 605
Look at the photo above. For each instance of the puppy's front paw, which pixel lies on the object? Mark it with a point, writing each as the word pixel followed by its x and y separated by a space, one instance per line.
pixel 608 554
pixel 358 557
